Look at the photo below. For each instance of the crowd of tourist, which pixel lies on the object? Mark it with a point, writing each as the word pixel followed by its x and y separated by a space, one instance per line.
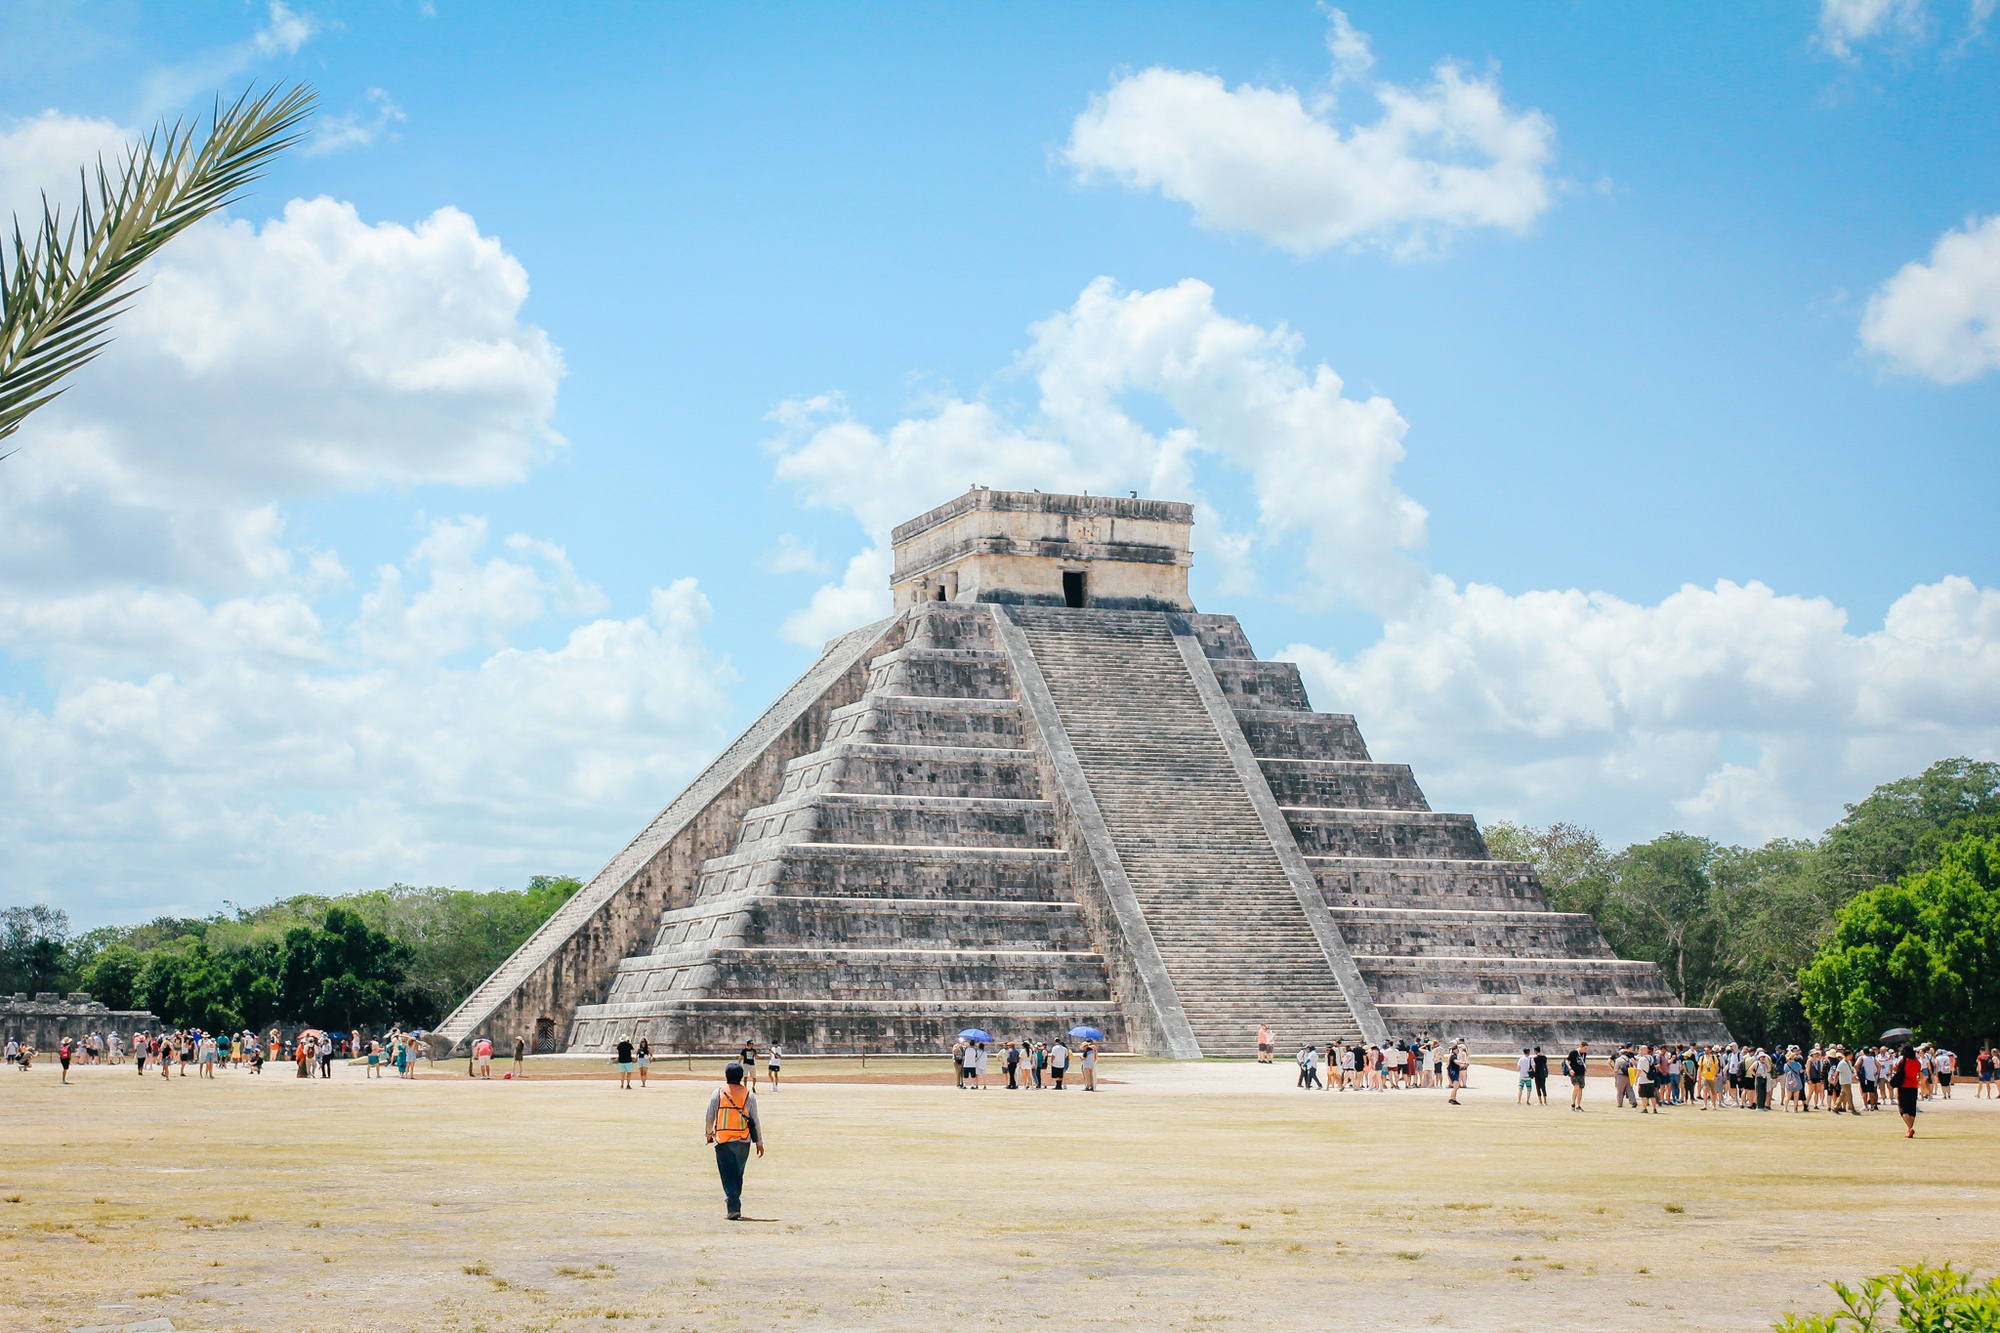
pixel 1425 1062
pixel 1650 1078
pixel 1028 1064
pixel 312 1051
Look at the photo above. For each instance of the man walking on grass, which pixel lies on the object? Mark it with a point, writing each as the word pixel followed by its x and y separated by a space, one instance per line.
pixel 1577 1062
pixel 733 1127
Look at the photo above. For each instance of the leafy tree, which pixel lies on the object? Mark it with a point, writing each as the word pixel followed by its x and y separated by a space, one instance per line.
pixel 457 937
pixel 64 286
pixel 1664 906
pixel 340 972
pixel 1573 864
pixel 33 949
pixel 112 975
pixel 189 987
pixel 1923 953
pixel 1903 827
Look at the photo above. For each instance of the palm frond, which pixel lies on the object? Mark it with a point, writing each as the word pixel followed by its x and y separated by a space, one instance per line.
pixel 62 282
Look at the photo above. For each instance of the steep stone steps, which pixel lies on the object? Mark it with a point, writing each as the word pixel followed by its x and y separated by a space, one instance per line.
pixel 1225 918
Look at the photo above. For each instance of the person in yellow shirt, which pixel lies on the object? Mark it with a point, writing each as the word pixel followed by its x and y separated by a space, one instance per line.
pixel 1710 1067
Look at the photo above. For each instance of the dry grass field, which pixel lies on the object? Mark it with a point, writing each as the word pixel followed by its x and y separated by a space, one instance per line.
pixel 1180 1196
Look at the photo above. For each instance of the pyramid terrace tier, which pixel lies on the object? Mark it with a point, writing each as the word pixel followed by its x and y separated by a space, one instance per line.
pixel 1274 733
pixel 859 767
pixel 915 719
pixel 1255 686
pixel 916 821
pixel 1502 1029
pixel 1015 874
pixel 955 673
pixel 1477 979
pixel 1414 834
pixel 853 973
pixel 1342 784
pixel 1449 885
pixel 1417 932
pixel 830 1027
pixel 801 922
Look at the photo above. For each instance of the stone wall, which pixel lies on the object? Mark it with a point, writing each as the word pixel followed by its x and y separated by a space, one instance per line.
pixel 44 1019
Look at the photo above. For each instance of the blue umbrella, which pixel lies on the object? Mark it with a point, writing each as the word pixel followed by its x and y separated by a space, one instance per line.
pixel 1088 1034
pixel 976 1034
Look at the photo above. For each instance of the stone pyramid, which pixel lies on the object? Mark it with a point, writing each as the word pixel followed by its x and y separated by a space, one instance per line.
pixel 1047 792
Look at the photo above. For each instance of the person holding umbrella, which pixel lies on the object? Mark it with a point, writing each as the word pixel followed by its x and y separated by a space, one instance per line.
pixel 1907 1074
pixel 971 1056
pixel 1089 1036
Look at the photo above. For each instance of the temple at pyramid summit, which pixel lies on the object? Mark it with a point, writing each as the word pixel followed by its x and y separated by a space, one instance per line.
pixel 1045 792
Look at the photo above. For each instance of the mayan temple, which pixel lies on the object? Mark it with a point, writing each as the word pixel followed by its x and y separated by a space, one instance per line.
pixel 1046 791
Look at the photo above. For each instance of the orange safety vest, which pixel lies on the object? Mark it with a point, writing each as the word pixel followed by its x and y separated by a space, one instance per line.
pixel 732 1114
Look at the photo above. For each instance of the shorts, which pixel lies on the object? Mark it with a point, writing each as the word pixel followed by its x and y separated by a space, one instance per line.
pixel 486 1062
pixel 1906 1100
pixel 1527 1082
pixel 624 1066
pixel 374 1059
pixel 1985 1076
pixel 645 1062
pixel 1944 1080
pixel 1576 1080
pixel 775 1068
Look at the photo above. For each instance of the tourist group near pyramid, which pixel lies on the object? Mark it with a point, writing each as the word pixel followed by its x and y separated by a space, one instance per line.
pixel 1047 792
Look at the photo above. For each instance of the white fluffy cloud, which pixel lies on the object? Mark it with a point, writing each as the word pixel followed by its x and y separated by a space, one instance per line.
pixel 1439 158
pixel 1941 318
pixel 315 353
pixel 1744 713
pixel 243 748
pixel 1734 711
pixel 219 712
pixel 1319 464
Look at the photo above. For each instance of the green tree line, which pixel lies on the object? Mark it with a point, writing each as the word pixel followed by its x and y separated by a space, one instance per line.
pixel 402 954
pixel 1889 918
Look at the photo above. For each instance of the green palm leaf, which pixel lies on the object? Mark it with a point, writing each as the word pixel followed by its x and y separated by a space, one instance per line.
pixel 65 280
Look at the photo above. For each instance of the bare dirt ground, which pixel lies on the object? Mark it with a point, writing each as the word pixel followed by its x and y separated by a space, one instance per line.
pixel 1208 1195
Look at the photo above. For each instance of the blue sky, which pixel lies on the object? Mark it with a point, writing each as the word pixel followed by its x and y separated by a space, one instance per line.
pixel 1664 429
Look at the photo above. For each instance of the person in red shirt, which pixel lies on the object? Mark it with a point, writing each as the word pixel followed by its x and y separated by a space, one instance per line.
pixel 1909 1074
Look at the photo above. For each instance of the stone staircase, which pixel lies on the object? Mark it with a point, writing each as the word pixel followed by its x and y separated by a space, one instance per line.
pixel 1227 921
pixel 904 881
pixel 1448 941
